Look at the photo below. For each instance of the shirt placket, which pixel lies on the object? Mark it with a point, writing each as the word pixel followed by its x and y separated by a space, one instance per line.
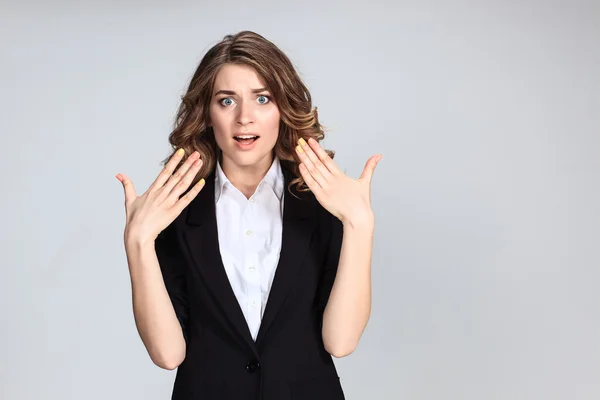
pixel 251 270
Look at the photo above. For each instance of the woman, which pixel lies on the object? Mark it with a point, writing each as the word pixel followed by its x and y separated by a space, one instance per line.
pixel 250 279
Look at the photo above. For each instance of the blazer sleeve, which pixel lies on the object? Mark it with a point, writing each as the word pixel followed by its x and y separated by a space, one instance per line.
pixel 332 258
pixel 172 267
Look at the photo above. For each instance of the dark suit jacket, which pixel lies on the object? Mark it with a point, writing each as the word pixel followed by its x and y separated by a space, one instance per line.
pixel 288 360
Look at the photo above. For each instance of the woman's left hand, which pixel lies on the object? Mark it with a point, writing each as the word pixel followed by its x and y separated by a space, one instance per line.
pixel 346 198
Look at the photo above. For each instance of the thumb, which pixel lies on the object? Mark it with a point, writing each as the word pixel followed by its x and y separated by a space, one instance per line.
pixel 367 173
pixel 128 187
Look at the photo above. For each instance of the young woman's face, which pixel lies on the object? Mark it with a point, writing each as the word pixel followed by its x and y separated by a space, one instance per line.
pixel 242 107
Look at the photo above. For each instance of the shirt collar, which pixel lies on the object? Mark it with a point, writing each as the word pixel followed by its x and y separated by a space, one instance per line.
pixel 274 179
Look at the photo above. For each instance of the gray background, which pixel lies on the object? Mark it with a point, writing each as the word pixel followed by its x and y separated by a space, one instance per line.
pixel 486 258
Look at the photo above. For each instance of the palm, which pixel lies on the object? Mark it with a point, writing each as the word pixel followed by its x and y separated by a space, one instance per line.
pixel 339 194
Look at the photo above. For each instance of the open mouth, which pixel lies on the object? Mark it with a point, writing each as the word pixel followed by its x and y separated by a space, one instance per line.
pixel 246 139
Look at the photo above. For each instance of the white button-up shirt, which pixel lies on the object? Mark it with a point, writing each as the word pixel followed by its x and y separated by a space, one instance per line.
pixel 249 233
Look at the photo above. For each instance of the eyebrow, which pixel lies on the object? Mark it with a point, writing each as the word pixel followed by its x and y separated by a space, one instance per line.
pixel 231 92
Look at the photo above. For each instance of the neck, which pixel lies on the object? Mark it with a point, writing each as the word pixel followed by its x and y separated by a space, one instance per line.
pixel 246 177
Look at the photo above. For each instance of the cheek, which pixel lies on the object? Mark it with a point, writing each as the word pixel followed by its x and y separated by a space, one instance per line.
pixel 221 125
pixel 217 118
pixel 271 120
pixel 218 125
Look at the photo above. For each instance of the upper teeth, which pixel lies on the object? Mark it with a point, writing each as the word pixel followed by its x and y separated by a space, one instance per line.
pixel 245 136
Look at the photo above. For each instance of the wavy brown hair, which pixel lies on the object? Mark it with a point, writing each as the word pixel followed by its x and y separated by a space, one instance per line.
pixel 298 117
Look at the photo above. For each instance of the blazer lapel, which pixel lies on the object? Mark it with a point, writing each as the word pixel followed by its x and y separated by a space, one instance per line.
pixel 202 241
pixel 298 227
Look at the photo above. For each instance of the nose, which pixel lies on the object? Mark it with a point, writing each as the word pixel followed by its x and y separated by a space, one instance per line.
pixel 245 113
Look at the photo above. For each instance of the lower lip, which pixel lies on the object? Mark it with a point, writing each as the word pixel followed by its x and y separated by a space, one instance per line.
pixel 248 146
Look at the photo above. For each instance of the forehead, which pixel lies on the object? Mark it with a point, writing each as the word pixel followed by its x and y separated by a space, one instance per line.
pixel 237 77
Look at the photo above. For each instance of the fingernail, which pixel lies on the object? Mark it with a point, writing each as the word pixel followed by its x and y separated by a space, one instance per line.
pixel 302 142
pixel 299 149
pixel 180 152
pixel 118 176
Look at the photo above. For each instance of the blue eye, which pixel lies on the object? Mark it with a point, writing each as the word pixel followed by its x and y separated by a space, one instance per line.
pixel 229 101
pixel 267 99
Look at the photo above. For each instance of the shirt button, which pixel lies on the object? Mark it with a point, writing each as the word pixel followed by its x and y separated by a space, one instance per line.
pixel 253 366
pixel 252 200
pixel 253 303
pixel 251 268
pixel 248 232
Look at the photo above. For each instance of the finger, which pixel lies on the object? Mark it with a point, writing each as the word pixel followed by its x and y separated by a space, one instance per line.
pixel 184 183
pixel 128 188
pixel 167 170
pixel 315 160
pixel 180 173
pixel 324 157
pixel 313 185
pixel 185 200
pixel 316 175
pixel 370 165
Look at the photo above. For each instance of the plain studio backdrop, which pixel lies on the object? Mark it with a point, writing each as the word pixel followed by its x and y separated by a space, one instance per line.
pixel 486 260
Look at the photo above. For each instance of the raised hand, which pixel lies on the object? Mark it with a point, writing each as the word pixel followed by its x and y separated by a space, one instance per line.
pixel 147 215
pixel 344 197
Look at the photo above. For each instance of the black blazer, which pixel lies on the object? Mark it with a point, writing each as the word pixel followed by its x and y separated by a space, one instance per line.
pixel 288 360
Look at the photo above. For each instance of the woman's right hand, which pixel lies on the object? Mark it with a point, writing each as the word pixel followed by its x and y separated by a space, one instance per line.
pixel 147 215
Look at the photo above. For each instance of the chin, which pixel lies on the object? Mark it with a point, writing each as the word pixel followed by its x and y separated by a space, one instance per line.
pixel 246 159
